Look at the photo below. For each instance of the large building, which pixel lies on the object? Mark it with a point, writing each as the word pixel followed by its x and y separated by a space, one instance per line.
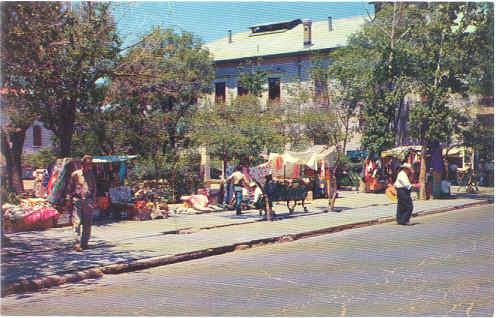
pixel 286 51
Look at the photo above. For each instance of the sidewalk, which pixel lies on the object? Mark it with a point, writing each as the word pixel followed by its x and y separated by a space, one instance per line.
pixel 32 255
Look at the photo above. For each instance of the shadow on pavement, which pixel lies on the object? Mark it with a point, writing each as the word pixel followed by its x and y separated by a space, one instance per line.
pixel 60 259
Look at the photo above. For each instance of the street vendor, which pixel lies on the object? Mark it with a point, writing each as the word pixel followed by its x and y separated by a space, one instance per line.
pixel 239 180
pixel 82 191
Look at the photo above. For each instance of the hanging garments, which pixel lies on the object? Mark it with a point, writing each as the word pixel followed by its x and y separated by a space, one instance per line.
pixel 122 172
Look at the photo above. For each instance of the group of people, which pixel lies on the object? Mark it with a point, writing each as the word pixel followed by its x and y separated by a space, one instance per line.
pixel 82 192
pixel 240 185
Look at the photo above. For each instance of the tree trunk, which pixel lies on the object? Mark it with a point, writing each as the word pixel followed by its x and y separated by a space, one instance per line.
pixel 423 173
pixel 64 134
pixel 224 166
pixel 12 145
pixel 346 130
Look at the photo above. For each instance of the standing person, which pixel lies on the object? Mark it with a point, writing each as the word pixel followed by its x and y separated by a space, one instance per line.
pixel 239 180
pixel 82 190
pixel 403 189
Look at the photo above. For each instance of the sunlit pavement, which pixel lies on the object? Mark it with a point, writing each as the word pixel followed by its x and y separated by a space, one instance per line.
pixel 38 254
pixel 441 266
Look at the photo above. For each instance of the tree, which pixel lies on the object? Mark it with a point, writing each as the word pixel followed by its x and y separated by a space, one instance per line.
pixel 419 49
pixel 164 75
pixel 69 50
pixel 90 57
pixel 237 130
pixel 440 67
pixel 372 68
pixel 20 44
pixel 252 77
pixel 153 96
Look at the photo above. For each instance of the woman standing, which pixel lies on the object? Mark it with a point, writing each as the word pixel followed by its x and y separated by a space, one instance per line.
pixel 403 189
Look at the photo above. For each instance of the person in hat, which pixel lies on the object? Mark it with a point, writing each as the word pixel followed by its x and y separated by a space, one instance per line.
pixel 82 191
pixel 403 189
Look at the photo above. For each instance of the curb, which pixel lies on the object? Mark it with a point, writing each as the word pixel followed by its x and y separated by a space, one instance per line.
pixel 31 285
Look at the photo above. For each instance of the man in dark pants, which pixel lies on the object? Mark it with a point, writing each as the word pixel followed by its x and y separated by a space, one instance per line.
pixel 82 189
pixel 403 189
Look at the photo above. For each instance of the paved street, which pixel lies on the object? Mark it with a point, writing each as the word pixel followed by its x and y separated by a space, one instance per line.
pixel 441 266
pixel 37 254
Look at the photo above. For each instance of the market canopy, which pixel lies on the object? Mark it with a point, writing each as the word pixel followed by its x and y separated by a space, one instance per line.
pixel 310 157
pixel 400 152
pixel 457 151
pixel 113 159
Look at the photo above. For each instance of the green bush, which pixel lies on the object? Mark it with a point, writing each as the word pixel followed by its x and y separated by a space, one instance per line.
pixel 181 171
pixel 40 159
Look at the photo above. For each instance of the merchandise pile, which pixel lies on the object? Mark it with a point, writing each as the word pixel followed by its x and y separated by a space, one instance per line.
pixel 32 213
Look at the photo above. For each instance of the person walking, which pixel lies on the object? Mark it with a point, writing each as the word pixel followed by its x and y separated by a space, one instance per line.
pixel 403 189
pixel 82 191
pixel 239 180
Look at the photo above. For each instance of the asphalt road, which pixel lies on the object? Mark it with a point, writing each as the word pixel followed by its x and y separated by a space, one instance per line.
pixel 441 266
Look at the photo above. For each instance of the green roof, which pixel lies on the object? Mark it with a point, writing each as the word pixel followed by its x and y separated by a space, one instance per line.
pixel 246 44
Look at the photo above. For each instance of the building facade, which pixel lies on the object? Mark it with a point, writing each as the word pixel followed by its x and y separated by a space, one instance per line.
pixel 37 137
pixel 287 52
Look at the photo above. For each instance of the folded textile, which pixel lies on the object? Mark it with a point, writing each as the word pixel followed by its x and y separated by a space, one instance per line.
pixel 40 215
pixel 197 201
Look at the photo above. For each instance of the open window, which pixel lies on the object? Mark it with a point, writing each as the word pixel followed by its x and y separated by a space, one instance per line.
pixel 321 92
pixel 220 92
pixel 242 91
pixel 274 89
pixel 36 136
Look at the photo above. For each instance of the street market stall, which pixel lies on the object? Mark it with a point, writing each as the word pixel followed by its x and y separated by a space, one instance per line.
pixel 114 198
pixel 291 170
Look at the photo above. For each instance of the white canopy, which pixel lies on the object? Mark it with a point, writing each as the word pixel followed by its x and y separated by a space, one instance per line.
pixel 310 157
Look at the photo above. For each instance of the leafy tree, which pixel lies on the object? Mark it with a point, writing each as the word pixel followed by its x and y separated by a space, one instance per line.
pixel 372 68
pixel 158 83
pixel 21 50
pixel 252 77
pixel 153 97
pixel 418 48
pixel 440 67
pixel 70 49
pixel 236 131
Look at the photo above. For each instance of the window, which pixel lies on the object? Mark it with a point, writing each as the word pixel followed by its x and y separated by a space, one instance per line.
pixel 220 92
pixel 241 90
pixel 36 136
pixel 321 92
pixel 274 89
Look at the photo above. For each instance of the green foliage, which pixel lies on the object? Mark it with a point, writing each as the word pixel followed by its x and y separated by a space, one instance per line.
pixel 237 130
pixel 480 136
pixel 433 121
pixel 252 78
pixel 430 50
pixel 180 170
pixel 155 91
pixel 64 53
pixel 303 124
pixel 40 159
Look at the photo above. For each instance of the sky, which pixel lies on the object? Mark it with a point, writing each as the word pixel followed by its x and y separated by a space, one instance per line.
pixel 211 20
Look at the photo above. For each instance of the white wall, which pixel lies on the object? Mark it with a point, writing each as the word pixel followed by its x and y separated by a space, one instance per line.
pixel 46 138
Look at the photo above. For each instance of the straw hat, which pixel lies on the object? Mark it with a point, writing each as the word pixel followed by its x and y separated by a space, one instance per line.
pixel 406 165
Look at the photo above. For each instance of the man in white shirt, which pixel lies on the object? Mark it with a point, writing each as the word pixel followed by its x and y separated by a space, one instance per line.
pixel 239 180
pixel 403 189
